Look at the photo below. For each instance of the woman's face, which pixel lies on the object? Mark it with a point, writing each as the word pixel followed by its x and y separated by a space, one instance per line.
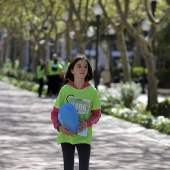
pixel 80 69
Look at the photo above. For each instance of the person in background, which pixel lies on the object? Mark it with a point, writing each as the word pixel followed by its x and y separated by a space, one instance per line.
pixel 16 64
pixel 97 74
pixel 7 65
pixel 54 71
pixel 85 98
pixel 40 72
pixel 16 67
pixel 48 79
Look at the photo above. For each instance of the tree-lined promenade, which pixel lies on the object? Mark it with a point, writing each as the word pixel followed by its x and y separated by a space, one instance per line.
pixel 45 24
pixel 28 138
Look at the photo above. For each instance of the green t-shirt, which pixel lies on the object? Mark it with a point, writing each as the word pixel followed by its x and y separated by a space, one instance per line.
pixel 16 64
pixel 85 100
pixel 40 72
pixel 54 69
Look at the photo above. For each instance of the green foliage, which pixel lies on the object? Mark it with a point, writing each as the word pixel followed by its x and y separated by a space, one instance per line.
pixel 19 75
pixel 138 71
pixel 163 75
pixel 31 86
pixel 115 72
pixel 163 35
pixel 162 124
pixel 161 109
pixel 145 119
pixel 113 99
pixel 109 101
pixel 129 92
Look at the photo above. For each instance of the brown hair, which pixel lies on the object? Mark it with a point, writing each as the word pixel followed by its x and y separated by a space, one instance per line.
pixel 70 77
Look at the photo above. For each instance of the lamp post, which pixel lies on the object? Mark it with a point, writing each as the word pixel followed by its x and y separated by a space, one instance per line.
pixel 29 60
pixel 98 12
pixel 111 32
pixel 153 6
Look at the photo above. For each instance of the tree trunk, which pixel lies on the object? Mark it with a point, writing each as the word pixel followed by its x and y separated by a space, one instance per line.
pixel 81 46
pixel 122 48
pixel 56 44
pixel 152 85
pixel 108 55
pixel 168 1
pixel 146 48
pixel 67 44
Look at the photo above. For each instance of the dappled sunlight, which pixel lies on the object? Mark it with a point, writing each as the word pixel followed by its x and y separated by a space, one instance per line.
pixel 28 138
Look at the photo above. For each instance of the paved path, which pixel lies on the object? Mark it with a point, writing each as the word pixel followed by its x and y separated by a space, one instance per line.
pixel 27 138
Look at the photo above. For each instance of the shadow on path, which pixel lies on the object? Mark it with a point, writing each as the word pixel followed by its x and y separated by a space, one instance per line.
pixel 27 138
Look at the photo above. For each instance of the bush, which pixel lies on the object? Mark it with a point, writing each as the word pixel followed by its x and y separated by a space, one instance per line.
pixel 129 92
pixel 137 72
pixel 161 109
pixel 19 75
pixel 115 74
pixel 163 75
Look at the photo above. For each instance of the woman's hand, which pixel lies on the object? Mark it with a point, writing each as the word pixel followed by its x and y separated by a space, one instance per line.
pixel 82 125
pixel 65 130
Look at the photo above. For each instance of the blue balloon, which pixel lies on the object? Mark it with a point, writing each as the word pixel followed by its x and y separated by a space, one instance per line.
pixel 68 116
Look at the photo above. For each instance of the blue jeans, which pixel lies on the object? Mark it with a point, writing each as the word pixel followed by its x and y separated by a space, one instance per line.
pixel 83 154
